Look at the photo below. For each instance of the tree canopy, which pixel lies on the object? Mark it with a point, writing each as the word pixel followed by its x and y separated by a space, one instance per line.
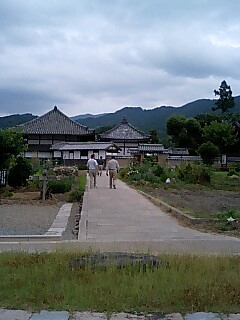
pixel 184 132
pixel 225 101
pixel 11 145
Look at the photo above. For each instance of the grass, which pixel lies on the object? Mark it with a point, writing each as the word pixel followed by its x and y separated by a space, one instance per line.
pixel 183 284
pixel 221 181
pixel 78 189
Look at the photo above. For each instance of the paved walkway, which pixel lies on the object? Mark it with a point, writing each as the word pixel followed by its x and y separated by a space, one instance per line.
pixel 123 218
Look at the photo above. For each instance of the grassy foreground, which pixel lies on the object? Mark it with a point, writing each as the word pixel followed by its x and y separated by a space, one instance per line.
pixel 182 284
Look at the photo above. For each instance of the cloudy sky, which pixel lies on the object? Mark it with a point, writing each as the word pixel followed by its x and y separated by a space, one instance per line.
pixel 96 56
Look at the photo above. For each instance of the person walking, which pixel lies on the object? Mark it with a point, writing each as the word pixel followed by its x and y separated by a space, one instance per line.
pixel 92 167
pixel 100 162
pixel 112 170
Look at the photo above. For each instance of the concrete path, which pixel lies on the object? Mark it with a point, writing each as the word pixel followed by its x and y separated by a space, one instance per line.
pixel 123 217
pixel 124 220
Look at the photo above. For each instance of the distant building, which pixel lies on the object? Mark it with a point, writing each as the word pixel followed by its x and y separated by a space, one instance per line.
pixel 126 136
pixel 76 153
pixel 49 129
pixel 163 156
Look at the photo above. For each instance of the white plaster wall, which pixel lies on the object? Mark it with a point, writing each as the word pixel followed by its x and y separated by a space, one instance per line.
pixel 57 154
pixel 65 154
pixel 77 154
pixel 45 155
pixel 46 142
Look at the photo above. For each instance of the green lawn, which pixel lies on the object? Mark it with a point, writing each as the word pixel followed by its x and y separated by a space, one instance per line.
pixel 182 284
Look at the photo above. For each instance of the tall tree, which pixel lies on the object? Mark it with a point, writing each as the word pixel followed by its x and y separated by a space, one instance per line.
pixel 221 135
pixel 11 145
pixel 184 132
pixel 225 101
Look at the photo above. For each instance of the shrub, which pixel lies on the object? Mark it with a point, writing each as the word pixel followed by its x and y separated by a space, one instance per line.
pixel 82 167
pixel 7 194
pixel 208 152
pixel 192 173
pixel 75 196
pixel 59 186
pixel 123 173
pixel 19 172
pixel 158 170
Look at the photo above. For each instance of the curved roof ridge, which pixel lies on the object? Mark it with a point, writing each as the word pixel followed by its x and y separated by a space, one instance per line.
pixel 64 115
pixel 127 129
pixel 125 122
pixel 54 122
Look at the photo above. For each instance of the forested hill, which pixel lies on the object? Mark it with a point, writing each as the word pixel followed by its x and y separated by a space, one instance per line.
pixel 144 120
pixel 15 119
pixel 155 118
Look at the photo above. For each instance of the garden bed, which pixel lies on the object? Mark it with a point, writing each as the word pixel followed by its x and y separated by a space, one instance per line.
pixel 201 203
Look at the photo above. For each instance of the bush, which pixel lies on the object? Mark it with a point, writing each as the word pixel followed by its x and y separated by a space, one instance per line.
pixel 59 186
pixel 7 194
pixel 192 173
pixel 75 196
pixel 82 167
pixel 208 152
pixel 19 172
pixel 158 170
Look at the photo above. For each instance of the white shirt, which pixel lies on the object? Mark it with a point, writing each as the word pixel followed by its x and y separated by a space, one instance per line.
pixel 92 164
pixel 112 165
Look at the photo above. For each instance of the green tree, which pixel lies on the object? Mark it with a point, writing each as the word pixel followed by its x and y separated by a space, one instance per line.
pixel 154 137
pixel 184 132
pixel 19 172
pixel 11 145
pixel 208 152
pixel 205 119
pixel 220 134
pixel 225 101
pixel 175 125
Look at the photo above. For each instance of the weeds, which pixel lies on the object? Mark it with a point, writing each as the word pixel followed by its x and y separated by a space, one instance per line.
pixel 185 283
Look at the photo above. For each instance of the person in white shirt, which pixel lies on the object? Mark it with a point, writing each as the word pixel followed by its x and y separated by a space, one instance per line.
pixel 92 167
pixel 112 170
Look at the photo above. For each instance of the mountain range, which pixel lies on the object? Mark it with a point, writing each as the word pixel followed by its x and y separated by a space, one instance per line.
pixel 142 119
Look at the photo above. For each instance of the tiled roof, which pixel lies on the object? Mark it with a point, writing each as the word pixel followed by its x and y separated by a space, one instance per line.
pixel 178 151
pixel 156 147
pixel 124 131
pixel 67 146
pixel 54 122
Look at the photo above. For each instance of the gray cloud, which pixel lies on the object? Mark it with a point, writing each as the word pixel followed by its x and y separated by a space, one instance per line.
pixel 98 56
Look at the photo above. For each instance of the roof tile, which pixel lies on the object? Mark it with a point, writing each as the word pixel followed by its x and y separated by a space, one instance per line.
pixel 54 122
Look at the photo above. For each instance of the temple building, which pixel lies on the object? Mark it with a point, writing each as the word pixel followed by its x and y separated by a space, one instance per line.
pixel 126 136
pixel 77 153
pixel 52 128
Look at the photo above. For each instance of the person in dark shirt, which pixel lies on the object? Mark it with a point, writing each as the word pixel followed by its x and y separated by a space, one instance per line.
pixel 100 165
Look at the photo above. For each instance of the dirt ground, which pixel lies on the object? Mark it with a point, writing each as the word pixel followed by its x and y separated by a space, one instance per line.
pixel 201 203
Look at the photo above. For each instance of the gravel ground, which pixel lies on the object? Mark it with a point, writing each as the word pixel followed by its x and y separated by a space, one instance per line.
pixel 24 219
pixel 25 214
